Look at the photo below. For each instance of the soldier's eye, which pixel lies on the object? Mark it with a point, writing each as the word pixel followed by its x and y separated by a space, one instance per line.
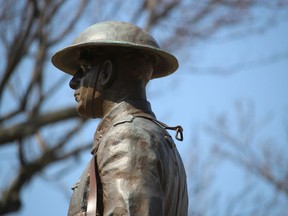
pixel 85 68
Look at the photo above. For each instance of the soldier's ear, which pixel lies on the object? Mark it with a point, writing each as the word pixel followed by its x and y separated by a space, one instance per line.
pixel 108 73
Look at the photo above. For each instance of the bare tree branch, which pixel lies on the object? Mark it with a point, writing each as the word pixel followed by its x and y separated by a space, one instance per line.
pixel 239 148
pixel 11 196
pixel 18 46
pixel 71 24
pixel 239 66
pixel 30 127
pixel 30 29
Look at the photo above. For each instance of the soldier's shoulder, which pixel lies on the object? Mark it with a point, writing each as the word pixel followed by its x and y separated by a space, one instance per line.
pixel 135 121
pixel 123 120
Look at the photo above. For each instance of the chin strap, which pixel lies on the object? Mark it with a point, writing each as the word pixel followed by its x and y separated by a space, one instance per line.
pixel 91 91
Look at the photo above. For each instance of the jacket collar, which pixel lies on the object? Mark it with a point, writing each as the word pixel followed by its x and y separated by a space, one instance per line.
pixel 120 111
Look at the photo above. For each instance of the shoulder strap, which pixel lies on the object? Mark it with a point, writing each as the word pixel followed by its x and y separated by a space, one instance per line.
pixel 92 197
pixel 178 128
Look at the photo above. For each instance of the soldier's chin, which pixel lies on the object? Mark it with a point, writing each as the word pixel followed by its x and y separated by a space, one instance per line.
pixel 81 110
pixel 86 111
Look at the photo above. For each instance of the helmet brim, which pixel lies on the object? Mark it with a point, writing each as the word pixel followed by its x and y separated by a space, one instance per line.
pixel 67 59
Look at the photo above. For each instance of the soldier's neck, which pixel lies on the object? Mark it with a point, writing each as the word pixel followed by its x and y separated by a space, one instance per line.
pixel 109 105
pixel 122 92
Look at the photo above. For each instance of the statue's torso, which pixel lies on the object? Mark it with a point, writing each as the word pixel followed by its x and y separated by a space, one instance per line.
pixel 140 170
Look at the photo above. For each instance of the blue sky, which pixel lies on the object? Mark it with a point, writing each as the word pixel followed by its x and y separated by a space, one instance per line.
pixel 192 99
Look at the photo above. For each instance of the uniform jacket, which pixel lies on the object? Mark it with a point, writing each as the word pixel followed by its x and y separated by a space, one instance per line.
pixel 139 170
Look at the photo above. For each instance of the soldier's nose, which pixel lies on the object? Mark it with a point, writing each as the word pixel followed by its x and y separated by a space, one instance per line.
pixel 75 81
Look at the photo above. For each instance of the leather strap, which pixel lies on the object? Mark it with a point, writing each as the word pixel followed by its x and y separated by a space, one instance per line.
pixel 178 128
pixel 92 197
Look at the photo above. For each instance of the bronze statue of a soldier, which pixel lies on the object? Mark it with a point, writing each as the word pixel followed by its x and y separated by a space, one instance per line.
pixel 136 168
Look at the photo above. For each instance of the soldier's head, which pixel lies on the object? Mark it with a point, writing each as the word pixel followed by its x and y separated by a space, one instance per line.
pixel 112 61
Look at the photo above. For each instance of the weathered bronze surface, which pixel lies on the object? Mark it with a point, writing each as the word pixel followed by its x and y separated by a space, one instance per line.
pixel 138 169
pixel 115 34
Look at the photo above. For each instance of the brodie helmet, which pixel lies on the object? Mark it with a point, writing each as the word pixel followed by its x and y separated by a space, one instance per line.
pixel 115 34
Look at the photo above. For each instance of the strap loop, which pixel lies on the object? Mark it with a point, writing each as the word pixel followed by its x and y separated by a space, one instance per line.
pixel 179 131
pixel 178 128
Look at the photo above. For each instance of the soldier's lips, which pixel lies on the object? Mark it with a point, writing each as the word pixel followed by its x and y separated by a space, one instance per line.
pixel 77 97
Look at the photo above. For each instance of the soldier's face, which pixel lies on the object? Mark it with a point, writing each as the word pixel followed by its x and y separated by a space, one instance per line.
pixel 87 94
